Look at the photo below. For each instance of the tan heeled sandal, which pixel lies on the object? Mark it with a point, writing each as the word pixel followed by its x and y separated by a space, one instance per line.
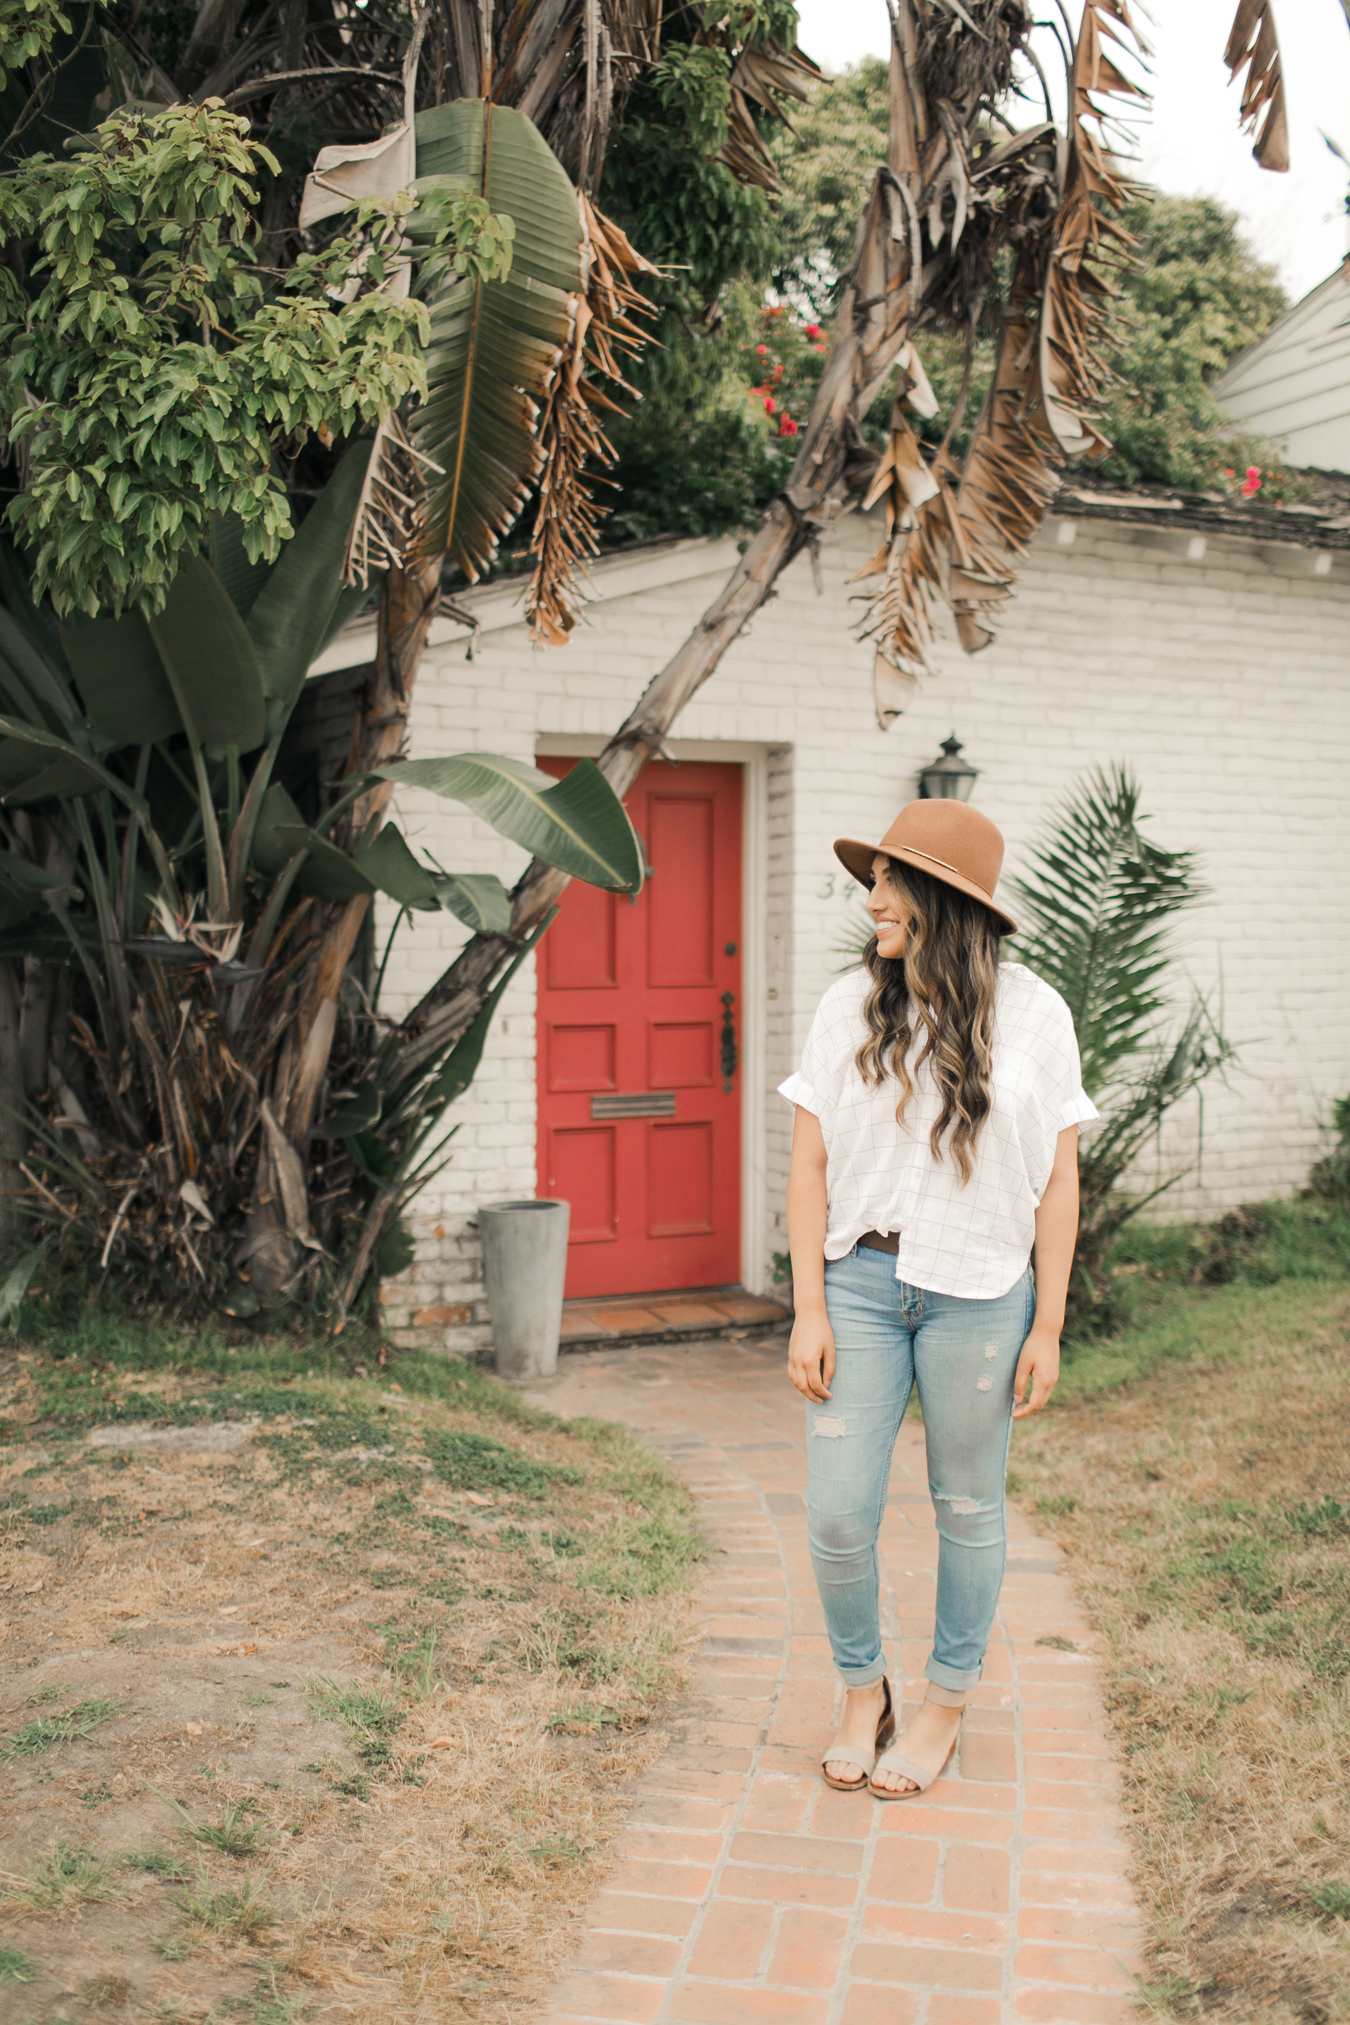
pixel 923 1775
pixel 856 1754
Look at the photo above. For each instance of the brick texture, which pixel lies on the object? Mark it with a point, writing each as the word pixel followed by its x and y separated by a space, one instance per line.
pixel 788 1904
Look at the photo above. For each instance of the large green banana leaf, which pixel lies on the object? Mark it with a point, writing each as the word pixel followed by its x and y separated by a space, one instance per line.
pixel 24 887
pixel 31 686
pixel 328 873
pixel 35 764
pixel 191 669
pixel 242 578
pixel 479 899
pixel 494 344
pixel 577 823
pixel 304 601
pixel 389 864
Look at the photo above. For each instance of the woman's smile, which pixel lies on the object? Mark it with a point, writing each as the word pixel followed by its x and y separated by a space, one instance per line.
pixel 889 918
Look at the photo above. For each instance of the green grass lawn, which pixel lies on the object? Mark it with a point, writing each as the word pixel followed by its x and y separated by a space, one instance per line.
pixel 1196 1470
pixel 350 1700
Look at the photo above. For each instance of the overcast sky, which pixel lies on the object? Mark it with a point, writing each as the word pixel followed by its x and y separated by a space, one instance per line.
pixel 1190 143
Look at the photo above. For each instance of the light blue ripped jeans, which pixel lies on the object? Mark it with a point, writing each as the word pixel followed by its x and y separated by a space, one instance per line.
pixel 963 1356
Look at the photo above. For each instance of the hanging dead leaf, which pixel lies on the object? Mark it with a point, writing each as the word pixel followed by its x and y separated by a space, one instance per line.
pixel 388 519
pixel 576 449
pixel 760 79
pixel 1253 41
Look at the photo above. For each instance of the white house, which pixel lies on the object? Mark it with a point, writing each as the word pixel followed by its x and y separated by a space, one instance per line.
pixel 1294 384
pixel 1206 645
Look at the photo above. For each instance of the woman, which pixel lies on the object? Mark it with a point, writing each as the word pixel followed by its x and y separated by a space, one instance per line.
pixel 935 1146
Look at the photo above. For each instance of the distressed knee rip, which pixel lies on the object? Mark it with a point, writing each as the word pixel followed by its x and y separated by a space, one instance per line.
pixel 828 1427
pixel 964 1508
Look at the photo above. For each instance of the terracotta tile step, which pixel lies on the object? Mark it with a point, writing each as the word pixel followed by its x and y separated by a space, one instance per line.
pixel 707 1312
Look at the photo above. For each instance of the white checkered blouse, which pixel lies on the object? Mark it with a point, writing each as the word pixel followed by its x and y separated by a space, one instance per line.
pixel 973 1240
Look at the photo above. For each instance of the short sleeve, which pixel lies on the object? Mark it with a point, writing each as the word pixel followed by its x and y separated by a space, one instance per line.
pixel 816 1078
pixel 798 1091
pixel 1076 1107
pixel 1078 1110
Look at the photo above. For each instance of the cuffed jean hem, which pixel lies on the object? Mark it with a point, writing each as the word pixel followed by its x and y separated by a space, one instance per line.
pixel 958 1677
pixel 862 1676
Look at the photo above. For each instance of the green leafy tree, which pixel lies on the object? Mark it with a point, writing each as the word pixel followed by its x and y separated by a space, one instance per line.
pixel 150 374
pixel 1196 295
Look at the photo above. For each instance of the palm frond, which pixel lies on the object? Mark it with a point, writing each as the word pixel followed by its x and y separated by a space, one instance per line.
pixel 1253 41
pixel 388 522
pixel 575 446
pixel 761 78
pixel 495 345
pixel 968 538
pixel 1098 905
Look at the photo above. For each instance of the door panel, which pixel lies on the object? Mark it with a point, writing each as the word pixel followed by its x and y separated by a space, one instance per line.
pixel 584 956
pixel 582 1173
pixel 680 1057
pixel 639 1103
pixel 581 1058
pixel 680 1196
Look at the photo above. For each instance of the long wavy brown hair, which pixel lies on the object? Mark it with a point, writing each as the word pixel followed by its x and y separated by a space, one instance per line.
pixel 942 992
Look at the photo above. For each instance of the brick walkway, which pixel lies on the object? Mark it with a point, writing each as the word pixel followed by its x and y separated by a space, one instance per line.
pixel 744 1891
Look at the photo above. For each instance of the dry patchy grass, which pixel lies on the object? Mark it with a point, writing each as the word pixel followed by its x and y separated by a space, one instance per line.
pixel 1205 1507
pixel 316 1698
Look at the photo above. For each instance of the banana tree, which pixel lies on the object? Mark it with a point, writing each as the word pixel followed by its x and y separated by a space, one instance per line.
pixel 153 852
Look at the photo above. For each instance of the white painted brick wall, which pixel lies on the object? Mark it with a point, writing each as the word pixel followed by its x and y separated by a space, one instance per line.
pixel 1225 683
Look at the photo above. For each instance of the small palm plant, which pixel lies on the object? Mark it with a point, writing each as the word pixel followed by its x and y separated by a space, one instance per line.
pixel 1098 906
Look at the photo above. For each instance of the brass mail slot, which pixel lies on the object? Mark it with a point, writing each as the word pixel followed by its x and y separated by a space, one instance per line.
pixel 642 1104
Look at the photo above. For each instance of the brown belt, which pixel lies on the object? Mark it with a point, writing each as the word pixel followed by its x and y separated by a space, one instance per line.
pixel 875 1242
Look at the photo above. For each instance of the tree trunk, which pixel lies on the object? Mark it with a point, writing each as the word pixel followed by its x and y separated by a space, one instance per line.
pixel 831 472
pixel 271 1249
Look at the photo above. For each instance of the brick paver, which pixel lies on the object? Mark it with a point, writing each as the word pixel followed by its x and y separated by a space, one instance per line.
pixel 743 1889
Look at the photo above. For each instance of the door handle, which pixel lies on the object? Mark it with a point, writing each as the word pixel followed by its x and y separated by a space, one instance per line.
pixel 729 1056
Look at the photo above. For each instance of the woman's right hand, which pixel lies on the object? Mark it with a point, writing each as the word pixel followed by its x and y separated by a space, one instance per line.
pixel 811 1355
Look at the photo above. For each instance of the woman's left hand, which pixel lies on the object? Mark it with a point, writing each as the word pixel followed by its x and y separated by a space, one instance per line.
pixel 1038 1366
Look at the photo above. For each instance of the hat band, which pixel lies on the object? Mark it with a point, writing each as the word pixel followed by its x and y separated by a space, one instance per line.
pixel 914 849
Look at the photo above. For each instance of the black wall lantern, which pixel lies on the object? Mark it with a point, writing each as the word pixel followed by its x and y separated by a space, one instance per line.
pixel 950 778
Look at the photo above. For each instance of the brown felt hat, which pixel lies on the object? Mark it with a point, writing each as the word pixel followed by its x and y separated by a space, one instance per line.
pixel 943 838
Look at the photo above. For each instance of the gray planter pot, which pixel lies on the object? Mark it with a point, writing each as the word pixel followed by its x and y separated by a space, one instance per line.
pixel 525 1264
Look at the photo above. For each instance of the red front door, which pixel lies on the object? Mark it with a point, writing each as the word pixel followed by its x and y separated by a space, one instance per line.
pixel 639 1034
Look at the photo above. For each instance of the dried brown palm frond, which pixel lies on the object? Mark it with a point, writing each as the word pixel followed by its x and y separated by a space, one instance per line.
pixel 1253 41
pixel 388 518
pixel 761 77
pixel 576 448
pixel 1085 242
pixel 969 535
pixel 1011 470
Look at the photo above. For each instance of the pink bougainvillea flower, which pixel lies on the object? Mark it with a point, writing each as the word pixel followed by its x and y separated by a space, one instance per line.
pixel 786 426
pixel 813 330
pixel 1251 484
pixel 763 351
pixel 770 406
